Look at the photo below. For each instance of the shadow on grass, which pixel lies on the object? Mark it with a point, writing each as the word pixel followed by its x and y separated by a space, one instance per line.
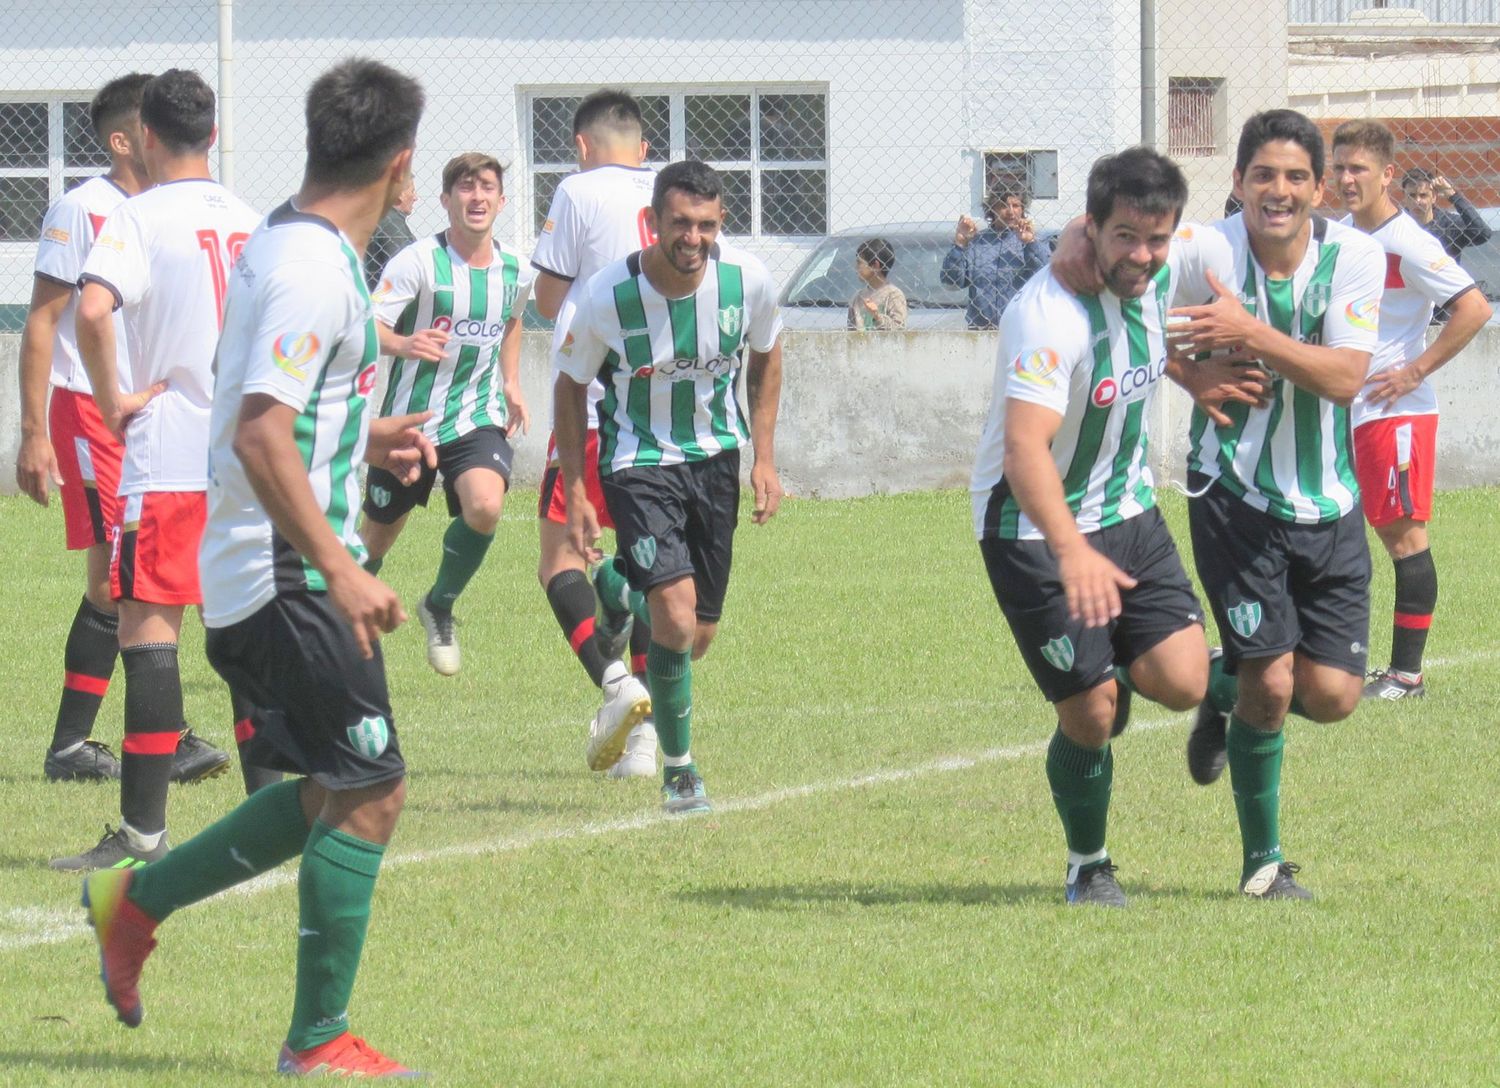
pixel 102 1061
pixel 799 896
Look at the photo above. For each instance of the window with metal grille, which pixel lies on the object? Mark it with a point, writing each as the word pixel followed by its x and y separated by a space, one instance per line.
pixel 47 146
pixel 769 147
pixel 1031 172
pixel 1195 122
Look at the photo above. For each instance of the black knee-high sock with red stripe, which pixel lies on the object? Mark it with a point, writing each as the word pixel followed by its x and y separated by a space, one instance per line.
pixel 1416 601
pixel 572 600
pixel 153 719
pixel 255 776
pixel 640 639
pixel 88 663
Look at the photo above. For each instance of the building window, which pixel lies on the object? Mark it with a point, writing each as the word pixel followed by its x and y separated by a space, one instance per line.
pixel 47 146
pixel 1195 116
pixel 1031 172
pixel 770 148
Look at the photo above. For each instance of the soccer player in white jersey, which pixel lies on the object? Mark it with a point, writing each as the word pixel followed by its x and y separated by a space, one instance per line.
pixel 65 442
pixel 292 616
pixel 161 259
pixel 665 330
pixel 597 216
pixel 1077 553
pixel 449 312
pixel 1395 415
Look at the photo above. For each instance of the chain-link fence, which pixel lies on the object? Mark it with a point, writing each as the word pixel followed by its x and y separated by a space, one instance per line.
pixel 831 120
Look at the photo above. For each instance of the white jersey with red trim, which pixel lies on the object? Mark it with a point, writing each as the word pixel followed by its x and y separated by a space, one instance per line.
pixel 166 255
pixel 1419 276
pixel 68 233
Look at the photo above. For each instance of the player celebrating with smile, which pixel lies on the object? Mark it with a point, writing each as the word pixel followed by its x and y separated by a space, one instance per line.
pixel 449 311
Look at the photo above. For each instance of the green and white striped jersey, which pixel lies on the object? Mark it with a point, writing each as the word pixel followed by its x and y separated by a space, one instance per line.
pixel 1294 459
pixel 670 366
pixel 298 327
pixel 1096 360
pixel 427 286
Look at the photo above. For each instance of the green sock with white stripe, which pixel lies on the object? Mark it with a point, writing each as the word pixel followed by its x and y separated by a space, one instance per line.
pixel 1081 779
pixel 1255 775
pixel 463 552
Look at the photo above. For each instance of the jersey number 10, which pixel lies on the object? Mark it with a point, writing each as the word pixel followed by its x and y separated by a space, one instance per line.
pixel 208 241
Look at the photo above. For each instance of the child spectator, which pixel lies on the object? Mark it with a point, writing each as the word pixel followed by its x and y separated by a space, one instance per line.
pixel 880 303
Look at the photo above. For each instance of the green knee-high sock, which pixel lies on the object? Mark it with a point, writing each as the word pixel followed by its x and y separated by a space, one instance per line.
pixel 1223 689
pixel 266 829
pixel 1081 779
pixel 1255 776
pixel 614 588
pixel 463 552
pixel 333 890
pixel 669 676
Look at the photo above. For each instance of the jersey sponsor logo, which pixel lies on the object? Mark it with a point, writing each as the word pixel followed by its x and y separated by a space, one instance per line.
pixel 443 323
pixel 1038 367
pixel 467 330
pixel 1363 313
pixel 56 234
pixel 643 551
pixel 1315 299
pixel 1058 653
pixel 1245 618
pixel 731 320
pixel 567 346
pixel 1132 385
pixel 365 382
pixel 370 737
pixel 1440 264
pixel 686 369
pixel 292 351
pixel 109 241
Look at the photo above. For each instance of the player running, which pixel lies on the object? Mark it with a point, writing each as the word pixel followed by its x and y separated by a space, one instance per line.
pixel 664 331
pixel 292 617
pixel 161 259
pixel 598 215
pixel 1077 553
pixel 1395 415
pixel 448 309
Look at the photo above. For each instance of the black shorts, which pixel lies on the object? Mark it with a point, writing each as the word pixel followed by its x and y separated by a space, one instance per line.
pixel 1064 656
pixel 1276 586
pixel 672 520
pixel 387 500
pixel 321 710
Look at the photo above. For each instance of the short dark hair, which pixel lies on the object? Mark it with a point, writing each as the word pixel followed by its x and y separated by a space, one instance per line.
pixel 117 101
pixel 1269 125
pixel 877 252
pixel 1414 177
pixel 178 106
pixel 1369 136
pixel 609 108
pixel 470 165
pixel 692 177
pixel 1141 177
pixel 360 115
pixel 1002 193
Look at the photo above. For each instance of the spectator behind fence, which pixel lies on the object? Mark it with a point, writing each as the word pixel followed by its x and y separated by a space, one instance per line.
pixel 880 304
pixel 993 264
pixel 1456 230
pixel 391 236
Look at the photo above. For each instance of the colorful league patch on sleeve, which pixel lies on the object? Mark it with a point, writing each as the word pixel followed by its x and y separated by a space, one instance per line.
pixel 292 351
pixel 1037 367
pixel 1363 313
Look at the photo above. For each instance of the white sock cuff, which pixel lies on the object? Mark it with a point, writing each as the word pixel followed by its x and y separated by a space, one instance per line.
pixel 677 761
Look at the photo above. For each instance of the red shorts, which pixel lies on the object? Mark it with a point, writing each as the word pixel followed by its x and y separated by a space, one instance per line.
pixel 88 458
pixel 155 556
pixel 1394 460
pixel 552 502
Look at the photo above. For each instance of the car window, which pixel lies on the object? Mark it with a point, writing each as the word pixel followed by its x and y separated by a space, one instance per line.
pixel 827 276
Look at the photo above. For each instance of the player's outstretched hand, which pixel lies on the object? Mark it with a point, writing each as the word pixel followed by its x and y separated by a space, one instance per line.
pixel 1223 323
pixel 583 529
pixel 36 467
pixel 371 607
pixel 117 413
pixel 1074 261
pixel 518 421
pixel 1391 384
pixel 1092 584
pixel 427 345
pixel 397 444
pixel 766 485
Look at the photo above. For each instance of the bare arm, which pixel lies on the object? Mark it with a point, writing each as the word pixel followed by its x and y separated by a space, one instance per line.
pixel 570 424
pixel 95 327
pixel 518 415
pixel 427 344
pixel 763 382
pixel 1470 312
pixel 549 291
pixel 36 462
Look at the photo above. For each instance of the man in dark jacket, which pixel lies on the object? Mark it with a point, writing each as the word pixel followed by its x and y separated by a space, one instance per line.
pixel 1456 230
pixel 993 263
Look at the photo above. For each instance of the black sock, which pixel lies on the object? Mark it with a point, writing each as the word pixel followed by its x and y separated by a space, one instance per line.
pixel 153 717
pixel 374 563
pixel 88 663
pixel 640 641
pixel 256 777
pixel 1416 600
pixel 572 600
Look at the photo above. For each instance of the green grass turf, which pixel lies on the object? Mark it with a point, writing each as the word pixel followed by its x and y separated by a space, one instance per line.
pixel 540 925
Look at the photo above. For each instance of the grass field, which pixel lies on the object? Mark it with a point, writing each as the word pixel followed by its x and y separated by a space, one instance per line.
pixel 877 899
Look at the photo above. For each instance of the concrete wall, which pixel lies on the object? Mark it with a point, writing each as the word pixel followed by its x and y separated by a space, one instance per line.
pixel 869 413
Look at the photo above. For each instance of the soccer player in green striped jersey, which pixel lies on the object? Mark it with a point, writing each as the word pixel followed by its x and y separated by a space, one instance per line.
pixel 665 331
pixel 1079 557
pixel 449 312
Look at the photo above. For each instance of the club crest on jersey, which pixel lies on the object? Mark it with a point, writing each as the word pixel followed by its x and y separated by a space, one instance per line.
pixel 1315 299
pixel 731 320
pixel 365 382
pixel 644 551
pixel 1059 653
pixel 1363 314
pixel 1245 618
pixel 1037 367
pixel 370 737
pixel 292 351
pixel 380 496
